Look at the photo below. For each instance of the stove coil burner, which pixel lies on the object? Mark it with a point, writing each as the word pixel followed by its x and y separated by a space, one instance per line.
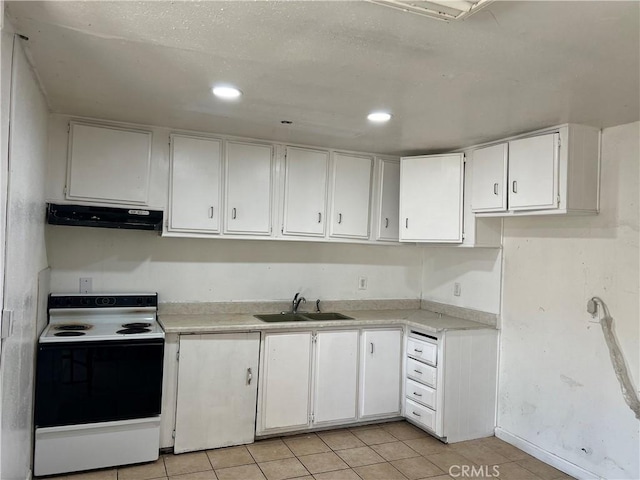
pixel 136 325
pixel 133 331
pixel 69 334
pixel 71 327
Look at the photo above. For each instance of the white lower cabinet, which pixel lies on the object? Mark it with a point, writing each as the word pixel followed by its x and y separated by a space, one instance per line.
pixel 285 386
pixel 335 376
pixel 452 394
pixel 217 387
pixel 317 378
pixel 380 372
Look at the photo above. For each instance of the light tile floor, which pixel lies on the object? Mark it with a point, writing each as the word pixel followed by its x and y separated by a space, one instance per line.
pixel 385 451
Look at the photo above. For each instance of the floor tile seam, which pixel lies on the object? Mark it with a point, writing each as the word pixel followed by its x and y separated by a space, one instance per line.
pixel 265 473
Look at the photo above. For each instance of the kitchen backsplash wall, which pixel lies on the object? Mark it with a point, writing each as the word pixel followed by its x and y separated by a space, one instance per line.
pixel 213 270
pixel 476 270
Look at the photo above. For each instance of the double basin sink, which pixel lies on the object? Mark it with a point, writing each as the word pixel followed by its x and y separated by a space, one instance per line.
pixel 302 317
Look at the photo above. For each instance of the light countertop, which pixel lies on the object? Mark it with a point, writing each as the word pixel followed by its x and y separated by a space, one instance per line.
pixel 236 322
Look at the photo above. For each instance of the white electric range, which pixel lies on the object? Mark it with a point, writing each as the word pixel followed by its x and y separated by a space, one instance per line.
pixel 98 383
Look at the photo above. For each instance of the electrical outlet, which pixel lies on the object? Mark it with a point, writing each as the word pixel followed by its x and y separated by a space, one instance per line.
pixel 86 284
pixel 362 283
pixel 457 289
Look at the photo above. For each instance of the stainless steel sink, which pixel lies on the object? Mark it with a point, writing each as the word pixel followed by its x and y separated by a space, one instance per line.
pixel 281 317
pixel 301 317
pixel 326 316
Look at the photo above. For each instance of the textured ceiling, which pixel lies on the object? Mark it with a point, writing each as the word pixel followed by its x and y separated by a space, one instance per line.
pixel 512 67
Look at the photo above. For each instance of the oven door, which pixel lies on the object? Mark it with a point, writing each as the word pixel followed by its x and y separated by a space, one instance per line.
pixel 89 382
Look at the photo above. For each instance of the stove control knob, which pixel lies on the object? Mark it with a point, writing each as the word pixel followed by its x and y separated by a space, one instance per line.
pixel 140 301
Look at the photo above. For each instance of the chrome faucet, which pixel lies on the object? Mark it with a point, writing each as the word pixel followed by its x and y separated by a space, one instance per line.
pixel 296 302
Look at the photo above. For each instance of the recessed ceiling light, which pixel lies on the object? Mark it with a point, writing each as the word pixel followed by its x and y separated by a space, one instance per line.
pixel 226 92
pixel 379 117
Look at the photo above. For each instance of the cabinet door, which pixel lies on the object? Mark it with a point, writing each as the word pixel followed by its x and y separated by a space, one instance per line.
pixel 108 164
pixel 217 387
pixel 305 192
pixel 194 203
pixel 351 196
pixel 248 182
pixel 336 376
pixel 431 198
pixel 285 380
pixel 389 200
pixel 533 172
pixel 380 367
pixel 489 179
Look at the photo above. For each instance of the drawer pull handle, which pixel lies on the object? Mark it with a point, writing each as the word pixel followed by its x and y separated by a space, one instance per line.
pixel 416 414
pixel 371 348
pixel 418 372
pixel 319 217
pixel 339 218
pixel 233 213
pixel 514 187
pixel 249 376
pixel 416 350
pixel 495 189
pixel 386 222
pixel 417 394
pixel 210 212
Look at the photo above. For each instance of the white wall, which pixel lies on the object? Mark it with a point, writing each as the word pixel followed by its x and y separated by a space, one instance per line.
pixel 558 389
pixel 25 258
pixel 477 270
pixel 213 270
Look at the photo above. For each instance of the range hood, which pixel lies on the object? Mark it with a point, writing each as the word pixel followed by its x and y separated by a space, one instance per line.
pixel 104 217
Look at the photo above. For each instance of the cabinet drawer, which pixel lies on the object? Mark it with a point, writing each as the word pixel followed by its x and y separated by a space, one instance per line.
pixel 420 414
pixel 421 372
pixel 421 394
pixel 425 351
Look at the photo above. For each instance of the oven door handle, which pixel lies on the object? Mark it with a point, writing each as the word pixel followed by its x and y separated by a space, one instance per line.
pixel 249 376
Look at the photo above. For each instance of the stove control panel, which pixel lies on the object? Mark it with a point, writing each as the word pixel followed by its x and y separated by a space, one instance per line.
pixel 102 300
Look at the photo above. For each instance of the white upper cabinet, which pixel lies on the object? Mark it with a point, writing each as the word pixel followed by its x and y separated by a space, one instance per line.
pixel 389 199
pixel 552 171
pixel 194 204
pixel 351 200
pixel 489 182
pixel 248 188
pixel 533 172
pixel 108 164
pixel 431 188
pixel 305 201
